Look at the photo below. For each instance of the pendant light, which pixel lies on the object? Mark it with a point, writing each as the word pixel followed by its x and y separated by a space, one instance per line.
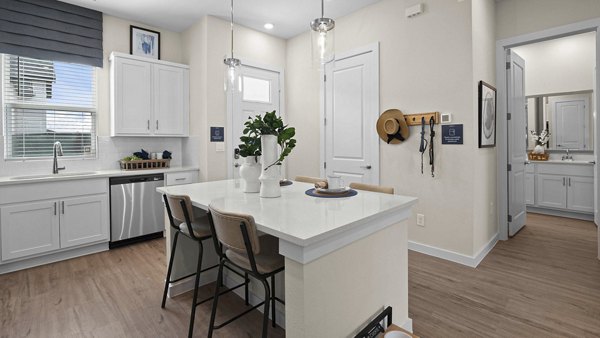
pixel 322 37
pixel 232 64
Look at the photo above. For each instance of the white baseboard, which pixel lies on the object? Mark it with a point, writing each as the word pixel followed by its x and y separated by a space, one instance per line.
pixel 472 261
pixel 187 284
pixel 561 213
pixel 407 325
pixel 43 259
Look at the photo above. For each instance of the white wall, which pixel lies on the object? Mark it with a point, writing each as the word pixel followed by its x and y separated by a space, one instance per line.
pixel 517 17
pixel 205 44
pixel 559 66
pixel 426 64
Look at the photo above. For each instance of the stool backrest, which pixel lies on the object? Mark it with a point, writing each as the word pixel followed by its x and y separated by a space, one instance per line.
pixel 371 187
pixel 308 179
pixel 227 227
pixel 176 210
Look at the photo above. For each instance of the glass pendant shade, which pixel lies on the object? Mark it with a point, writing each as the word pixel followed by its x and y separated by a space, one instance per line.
pixel 232 75
pixel 323 38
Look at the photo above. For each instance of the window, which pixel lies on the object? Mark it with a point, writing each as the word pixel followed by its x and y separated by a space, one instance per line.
pixel 45 102
pixel 256 90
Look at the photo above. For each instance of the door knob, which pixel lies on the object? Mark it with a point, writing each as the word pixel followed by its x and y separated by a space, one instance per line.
pixel 368 166
pixel 236 165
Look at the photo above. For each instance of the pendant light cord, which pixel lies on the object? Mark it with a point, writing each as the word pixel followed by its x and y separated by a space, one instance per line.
pixel 322 8
pixel 232 29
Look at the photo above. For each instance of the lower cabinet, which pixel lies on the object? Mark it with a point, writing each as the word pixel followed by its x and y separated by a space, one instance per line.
pixel 564 186
pixel 62 218
pixel 29 229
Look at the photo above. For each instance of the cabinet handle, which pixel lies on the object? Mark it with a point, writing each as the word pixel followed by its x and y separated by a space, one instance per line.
pixel 569 181
pixel 63 207
pixel 156 124
pixel 148 125
pixel 180 179
pixel 563 181
pixel 54 208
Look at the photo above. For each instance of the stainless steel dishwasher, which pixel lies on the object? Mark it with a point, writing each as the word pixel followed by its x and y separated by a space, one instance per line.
pixel 136 209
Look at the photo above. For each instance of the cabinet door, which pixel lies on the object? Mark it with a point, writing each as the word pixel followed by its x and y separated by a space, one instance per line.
pixel 170 100
pixel 529 189
pixel 83 220
pixel 28 229
pixel 551 191
pixel 580 193
pixel 132 90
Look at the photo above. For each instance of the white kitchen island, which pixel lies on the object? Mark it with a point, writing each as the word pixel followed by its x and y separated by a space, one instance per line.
pixel 345 258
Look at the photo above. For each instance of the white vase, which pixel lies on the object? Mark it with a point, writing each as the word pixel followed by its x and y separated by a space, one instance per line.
pixel 538 149
pixel 269 178
pixel 249 172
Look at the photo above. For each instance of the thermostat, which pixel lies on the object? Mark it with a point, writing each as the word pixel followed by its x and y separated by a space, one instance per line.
pixel 446 118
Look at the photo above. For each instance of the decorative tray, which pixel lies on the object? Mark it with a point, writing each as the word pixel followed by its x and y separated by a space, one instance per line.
pixel 538 157
pixel 144 164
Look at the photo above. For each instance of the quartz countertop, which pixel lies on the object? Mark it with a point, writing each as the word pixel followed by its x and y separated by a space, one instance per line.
pixel 81 175
pixel 564 162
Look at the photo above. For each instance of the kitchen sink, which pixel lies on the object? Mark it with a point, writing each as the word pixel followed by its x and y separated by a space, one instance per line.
pixel 33 177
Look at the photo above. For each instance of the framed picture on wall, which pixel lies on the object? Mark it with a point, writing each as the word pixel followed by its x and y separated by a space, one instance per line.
pixel 487 115
pixel 144 42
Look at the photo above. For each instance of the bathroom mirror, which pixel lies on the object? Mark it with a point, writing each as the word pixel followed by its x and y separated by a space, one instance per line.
pixel 568 118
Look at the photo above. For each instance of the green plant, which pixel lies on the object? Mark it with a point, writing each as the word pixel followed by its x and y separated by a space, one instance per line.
pixel 250 146
pixel 269 124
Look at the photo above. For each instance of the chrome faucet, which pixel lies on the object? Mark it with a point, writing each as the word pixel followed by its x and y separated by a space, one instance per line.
pixel 57 151
pixel 567 157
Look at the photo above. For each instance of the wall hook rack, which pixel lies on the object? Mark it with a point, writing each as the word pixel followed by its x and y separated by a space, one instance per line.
pixel 415 119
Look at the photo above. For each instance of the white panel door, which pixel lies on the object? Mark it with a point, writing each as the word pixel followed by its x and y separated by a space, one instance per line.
pixel 28 229
pixel 580 193
pixel 170 101
pixel 133 97
pixel 517 143
pixel 570 117
pixel 83 220
pixel 351 112
pixel 260 93
pixel 551 191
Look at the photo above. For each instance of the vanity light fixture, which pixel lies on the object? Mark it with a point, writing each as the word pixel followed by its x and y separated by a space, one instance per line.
pixel 232 64
pixel 322 37
pixel 268 25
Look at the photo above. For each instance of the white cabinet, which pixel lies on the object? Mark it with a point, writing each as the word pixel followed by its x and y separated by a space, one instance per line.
pixel 529 188
pixel 183 177
pixel 148 97
pixel 83 220
pixel 28 229
pixel 65 215
pixel 569 187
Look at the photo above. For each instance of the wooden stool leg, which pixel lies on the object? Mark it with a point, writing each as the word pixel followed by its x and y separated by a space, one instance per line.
pixel 169 269
pixel 195 299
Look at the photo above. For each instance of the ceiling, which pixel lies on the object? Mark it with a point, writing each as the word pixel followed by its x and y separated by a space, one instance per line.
pixel 290 17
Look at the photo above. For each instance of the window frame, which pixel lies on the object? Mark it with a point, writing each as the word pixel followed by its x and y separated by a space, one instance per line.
pixel 5 106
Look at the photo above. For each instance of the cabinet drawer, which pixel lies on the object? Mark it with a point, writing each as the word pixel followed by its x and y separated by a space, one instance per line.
pixel 185 177
pixel 17 193
pixel 566 169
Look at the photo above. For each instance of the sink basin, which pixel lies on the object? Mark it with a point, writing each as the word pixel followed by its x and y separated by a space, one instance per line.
pixel 33 177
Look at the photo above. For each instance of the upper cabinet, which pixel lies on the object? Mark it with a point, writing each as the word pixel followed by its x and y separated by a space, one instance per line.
pixel 148 97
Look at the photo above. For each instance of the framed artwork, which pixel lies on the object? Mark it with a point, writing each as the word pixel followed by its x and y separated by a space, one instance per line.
pixel 144 42
pixel 487 115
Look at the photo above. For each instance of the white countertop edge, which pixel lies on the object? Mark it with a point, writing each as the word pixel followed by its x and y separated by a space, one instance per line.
pixel 562 162
pixel 307 254
pixel 8 180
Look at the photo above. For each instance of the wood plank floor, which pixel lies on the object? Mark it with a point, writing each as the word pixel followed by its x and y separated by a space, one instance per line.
pixel 545 282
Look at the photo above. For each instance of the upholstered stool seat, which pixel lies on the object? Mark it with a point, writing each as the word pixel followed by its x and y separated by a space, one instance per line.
pixel 267 260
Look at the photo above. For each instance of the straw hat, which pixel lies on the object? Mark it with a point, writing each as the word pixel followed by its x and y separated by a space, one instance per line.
pixel 392 127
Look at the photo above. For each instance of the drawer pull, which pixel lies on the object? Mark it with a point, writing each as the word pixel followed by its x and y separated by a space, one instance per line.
pixel 63 207
pixel 180 179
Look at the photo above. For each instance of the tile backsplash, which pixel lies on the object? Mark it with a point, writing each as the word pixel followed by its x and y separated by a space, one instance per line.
pixel 110 151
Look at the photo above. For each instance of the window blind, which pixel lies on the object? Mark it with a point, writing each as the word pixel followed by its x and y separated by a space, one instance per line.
pixel 51 30
pixel 48 101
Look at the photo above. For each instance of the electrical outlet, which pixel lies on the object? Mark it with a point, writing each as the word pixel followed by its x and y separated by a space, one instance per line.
pixel 421 220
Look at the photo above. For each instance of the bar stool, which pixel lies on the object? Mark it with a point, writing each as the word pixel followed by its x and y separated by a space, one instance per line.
pixel 257 256
pixel 180 210
pixel 373 188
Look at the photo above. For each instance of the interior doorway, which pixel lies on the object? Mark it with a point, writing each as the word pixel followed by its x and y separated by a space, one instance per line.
pixel 569 181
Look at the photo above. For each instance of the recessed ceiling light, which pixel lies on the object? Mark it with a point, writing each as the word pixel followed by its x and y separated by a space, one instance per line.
pixel 268 26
